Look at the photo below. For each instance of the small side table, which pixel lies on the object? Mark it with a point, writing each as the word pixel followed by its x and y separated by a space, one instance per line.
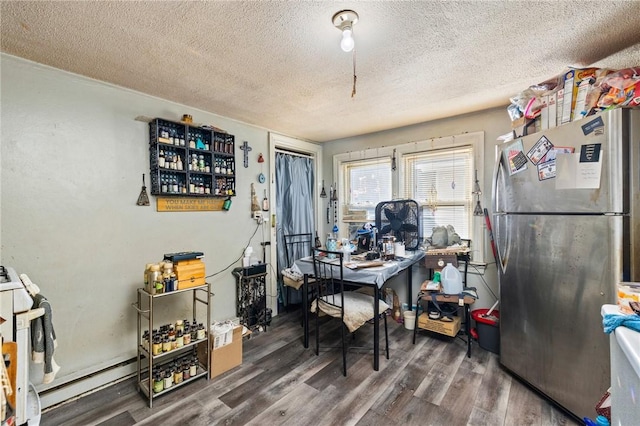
pixel 466 300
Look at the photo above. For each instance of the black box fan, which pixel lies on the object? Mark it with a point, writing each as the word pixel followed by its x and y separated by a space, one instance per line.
pixel 400 218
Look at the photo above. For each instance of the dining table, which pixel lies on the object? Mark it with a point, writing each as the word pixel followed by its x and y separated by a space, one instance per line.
pixel 374 274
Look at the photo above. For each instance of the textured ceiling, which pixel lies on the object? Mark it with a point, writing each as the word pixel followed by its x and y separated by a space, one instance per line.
pixel 278 64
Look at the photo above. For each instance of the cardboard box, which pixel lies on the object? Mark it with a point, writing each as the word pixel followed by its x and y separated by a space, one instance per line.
pixel 442 327
pixel 225 357
pixel 552 115
pixel 573 80
pixel 544 113
pixel 559 106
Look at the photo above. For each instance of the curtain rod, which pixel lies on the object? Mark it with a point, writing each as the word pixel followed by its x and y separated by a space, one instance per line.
pixel 296 153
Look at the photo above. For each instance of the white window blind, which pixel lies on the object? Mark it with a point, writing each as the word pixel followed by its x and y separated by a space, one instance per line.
pixel 441 181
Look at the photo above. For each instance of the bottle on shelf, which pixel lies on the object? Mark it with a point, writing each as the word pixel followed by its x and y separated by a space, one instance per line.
pixel 175 184
pixel 167 159
pixel 187 335
pixel 152 276
pixel 163 185
pixel 158 383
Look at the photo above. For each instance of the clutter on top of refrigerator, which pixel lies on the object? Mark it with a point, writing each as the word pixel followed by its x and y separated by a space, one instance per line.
pixel 573 94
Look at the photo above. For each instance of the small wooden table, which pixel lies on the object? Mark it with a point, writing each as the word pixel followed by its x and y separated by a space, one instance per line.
pixel 467 300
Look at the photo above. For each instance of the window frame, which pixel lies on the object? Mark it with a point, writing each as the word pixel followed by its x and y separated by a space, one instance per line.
pixel 398 178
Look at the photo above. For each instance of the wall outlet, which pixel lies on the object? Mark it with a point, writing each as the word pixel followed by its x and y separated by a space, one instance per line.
pixel 257 215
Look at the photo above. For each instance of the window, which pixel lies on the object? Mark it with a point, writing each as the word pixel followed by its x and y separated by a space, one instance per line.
pixel 365 183
pixel 368 182
pixel 437 173
pixel 441 182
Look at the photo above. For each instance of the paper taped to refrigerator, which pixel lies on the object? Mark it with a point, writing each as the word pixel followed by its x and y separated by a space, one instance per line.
pixel 573 174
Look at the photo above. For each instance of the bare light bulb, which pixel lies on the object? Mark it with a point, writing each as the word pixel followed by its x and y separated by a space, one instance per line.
pixel 347 44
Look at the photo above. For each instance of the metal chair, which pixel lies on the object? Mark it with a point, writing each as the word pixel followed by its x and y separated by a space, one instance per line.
pixel 353 308
pixel 296 246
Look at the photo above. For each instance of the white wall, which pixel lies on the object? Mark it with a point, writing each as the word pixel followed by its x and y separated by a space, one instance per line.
pixel 494 122
pixel 71 163
pixel 71 171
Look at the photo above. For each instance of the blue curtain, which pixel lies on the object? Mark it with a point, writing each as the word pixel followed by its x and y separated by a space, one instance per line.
pixel 294 205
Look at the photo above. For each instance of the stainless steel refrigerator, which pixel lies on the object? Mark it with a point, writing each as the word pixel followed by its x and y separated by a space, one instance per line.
pixel 567 231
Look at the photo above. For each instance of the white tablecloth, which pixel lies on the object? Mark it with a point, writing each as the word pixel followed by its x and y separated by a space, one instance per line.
pixel 372 276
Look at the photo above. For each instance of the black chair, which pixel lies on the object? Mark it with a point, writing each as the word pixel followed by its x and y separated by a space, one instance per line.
pixel 296 246
pixel 353 308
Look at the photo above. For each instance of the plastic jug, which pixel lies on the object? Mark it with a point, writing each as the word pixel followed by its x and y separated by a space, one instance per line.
pixel 451 279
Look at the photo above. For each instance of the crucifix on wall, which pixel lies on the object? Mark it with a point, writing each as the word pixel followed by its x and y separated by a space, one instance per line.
pixel 246 148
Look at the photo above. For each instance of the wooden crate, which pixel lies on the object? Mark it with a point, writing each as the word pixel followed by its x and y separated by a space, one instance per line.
pixel 190 273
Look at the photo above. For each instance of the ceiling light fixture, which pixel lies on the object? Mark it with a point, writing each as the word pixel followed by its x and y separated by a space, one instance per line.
pixel 344 21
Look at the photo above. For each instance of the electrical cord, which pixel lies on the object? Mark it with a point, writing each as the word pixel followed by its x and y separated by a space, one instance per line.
pixel 241 255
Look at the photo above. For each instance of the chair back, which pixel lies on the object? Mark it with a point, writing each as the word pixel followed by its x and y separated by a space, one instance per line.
pixel 297 246
pixel 329 283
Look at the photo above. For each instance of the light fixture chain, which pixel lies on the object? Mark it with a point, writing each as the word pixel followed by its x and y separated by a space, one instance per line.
pixel 353 91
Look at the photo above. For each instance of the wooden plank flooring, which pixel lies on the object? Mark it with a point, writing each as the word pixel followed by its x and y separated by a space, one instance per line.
pixel 281 383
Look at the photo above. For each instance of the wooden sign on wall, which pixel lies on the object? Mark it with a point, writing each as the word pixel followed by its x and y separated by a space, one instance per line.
pixel 175 204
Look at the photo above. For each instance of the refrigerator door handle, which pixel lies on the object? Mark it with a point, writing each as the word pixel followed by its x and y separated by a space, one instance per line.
pixel 495 188
pixel 499 215
pixel 502 240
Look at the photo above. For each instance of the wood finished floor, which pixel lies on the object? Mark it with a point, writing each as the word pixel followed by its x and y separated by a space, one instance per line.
pixel 281 383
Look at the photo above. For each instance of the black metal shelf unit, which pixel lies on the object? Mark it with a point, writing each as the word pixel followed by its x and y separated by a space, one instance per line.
pixel 190 161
